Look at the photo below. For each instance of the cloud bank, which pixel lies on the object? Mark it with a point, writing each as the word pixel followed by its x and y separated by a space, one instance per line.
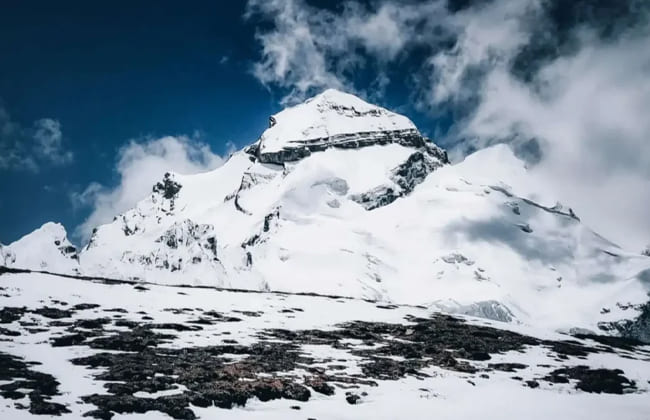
pixel 140 164
pixel 565 83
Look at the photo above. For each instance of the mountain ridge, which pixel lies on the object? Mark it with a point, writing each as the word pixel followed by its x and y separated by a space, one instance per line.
pixel 339 180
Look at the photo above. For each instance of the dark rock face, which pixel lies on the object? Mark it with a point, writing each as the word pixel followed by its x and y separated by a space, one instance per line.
pixel 634 329
pixel 406 177
pixel 69 251
pixel 610 381
pixel 205 371
pixel 639 328
pixel 212 378
pixel 507 367
pixel 300 149
pixel 352 398
pixel 10 314
pixel 20 377
pixel 8 332
pixel 168 187
pixel 52 313
pixel 187 232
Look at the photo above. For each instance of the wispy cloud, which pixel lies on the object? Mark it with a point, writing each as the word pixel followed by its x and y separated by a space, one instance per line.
pixel 565 83
pixel 309 49
pixel 28 148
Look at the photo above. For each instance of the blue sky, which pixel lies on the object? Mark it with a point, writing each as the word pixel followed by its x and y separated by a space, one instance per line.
pixel 88 90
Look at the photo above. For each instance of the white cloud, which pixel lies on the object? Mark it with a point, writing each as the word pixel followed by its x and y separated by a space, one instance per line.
pixel 310 49
pixel 294 53
pixel 28 148
pixel 139 165
pixel 589 110
pixel 487 35
pixel 49 142
pixel 585 102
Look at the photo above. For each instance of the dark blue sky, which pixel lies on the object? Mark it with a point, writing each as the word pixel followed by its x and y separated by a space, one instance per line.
pixel 113 72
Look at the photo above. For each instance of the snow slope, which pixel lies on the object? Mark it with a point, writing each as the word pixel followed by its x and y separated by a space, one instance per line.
pixel 342 197
pixel 123 352
pixel 47 248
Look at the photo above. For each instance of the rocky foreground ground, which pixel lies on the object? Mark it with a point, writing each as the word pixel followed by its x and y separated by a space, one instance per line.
pixel 99 349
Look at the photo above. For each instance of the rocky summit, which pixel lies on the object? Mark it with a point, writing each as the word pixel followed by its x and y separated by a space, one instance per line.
pixel 338 267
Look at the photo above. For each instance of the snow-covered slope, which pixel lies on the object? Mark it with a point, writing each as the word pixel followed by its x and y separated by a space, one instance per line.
pixel 79 349
pixel 47 248
pixel 341 197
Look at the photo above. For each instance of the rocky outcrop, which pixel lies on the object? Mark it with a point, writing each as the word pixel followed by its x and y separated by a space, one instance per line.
pixel 7 256
pixel 168 187
pixel 405 177
pixel 558 208
pixel 299 149
pixel 636 329
pixel 175 380
pixel 183 244
pixel 188 233
pixel 20 381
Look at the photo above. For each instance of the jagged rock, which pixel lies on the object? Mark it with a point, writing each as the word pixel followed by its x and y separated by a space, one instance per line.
pixel 52 313
pixel 11 314
pixel 457 258
pixel 610 381
pixel 187 233
pixel 406 177
pixel 637 328
pixel 168 188
pixel 300 149
pixel 352 398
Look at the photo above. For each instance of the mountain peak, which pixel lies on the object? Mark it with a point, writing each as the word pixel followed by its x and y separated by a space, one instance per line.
pixel 332 119
pixel 334 97
pixel 46 248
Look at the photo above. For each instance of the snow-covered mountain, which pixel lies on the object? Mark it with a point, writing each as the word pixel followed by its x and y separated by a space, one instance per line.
pixel 341 197
pixel 47 248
